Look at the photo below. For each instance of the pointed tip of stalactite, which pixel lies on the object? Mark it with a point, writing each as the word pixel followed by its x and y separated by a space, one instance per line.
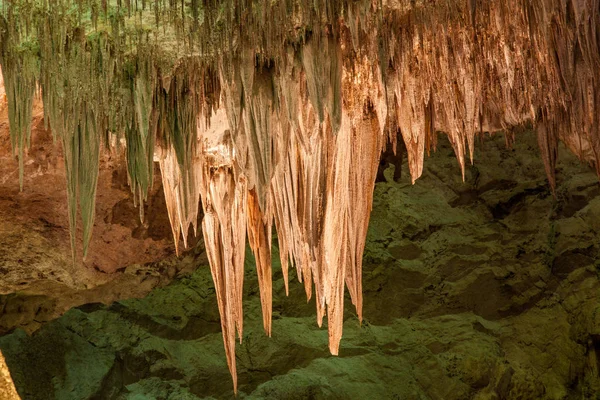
pixel 416 170
pixel 334 348
pixel 73 248
pixel 267 323
pixel 86 245
pixel 259 240
pixel 320 315
pixel 308 288
pixel 235 383
pixel 551 177
pixel 141 205
pixel 176 243
pixel 359 315
pixel 552 184
pixel 472 153
pixel 286 283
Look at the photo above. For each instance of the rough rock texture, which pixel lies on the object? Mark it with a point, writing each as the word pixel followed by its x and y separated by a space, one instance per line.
pixel 38 278
pixel 41 208
pixel 487 289
pixel 7 387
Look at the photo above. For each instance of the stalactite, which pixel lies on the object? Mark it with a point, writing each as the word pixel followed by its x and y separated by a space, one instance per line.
pixel 20 70
pixel 139 138
pixel 2 92
pixel 74 107
pixel 260 120
pixel 224 200
pixel 193 94
pixel 366 111
pixel 82 152
pixel 321 58
pixel 259 237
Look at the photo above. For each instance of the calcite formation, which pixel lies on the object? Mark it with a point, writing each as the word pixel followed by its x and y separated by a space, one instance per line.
pixel 274 114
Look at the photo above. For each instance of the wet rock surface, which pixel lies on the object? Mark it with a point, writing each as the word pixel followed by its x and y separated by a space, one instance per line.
pixel 483 289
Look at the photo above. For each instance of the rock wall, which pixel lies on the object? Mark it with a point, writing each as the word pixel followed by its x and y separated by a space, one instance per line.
pixel 38 279
pixel 487 289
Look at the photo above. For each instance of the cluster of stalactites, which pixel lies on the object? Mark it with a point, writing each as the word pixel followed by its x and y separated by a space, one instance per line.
pixel 287 150
pixel 279 132
pixel 469 67
pixel 304 134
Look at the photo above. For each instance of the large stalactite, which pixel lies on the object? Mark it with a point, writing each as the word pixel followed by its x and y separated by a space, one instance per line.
pixel 274 114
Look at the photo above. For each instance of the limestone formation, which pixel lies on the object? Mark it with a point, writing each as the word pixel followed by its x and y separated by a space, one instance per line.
pixel 276 113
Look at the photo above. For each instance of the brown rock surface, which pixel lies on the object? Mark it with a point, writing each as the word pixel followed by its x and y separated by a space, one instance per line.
pixel 121 238
pixel 39 280
pixel 7 387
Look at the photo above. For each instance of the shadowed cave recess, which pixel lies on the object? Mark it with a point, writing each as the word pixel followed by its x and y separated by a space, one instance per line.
pixel 198 198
